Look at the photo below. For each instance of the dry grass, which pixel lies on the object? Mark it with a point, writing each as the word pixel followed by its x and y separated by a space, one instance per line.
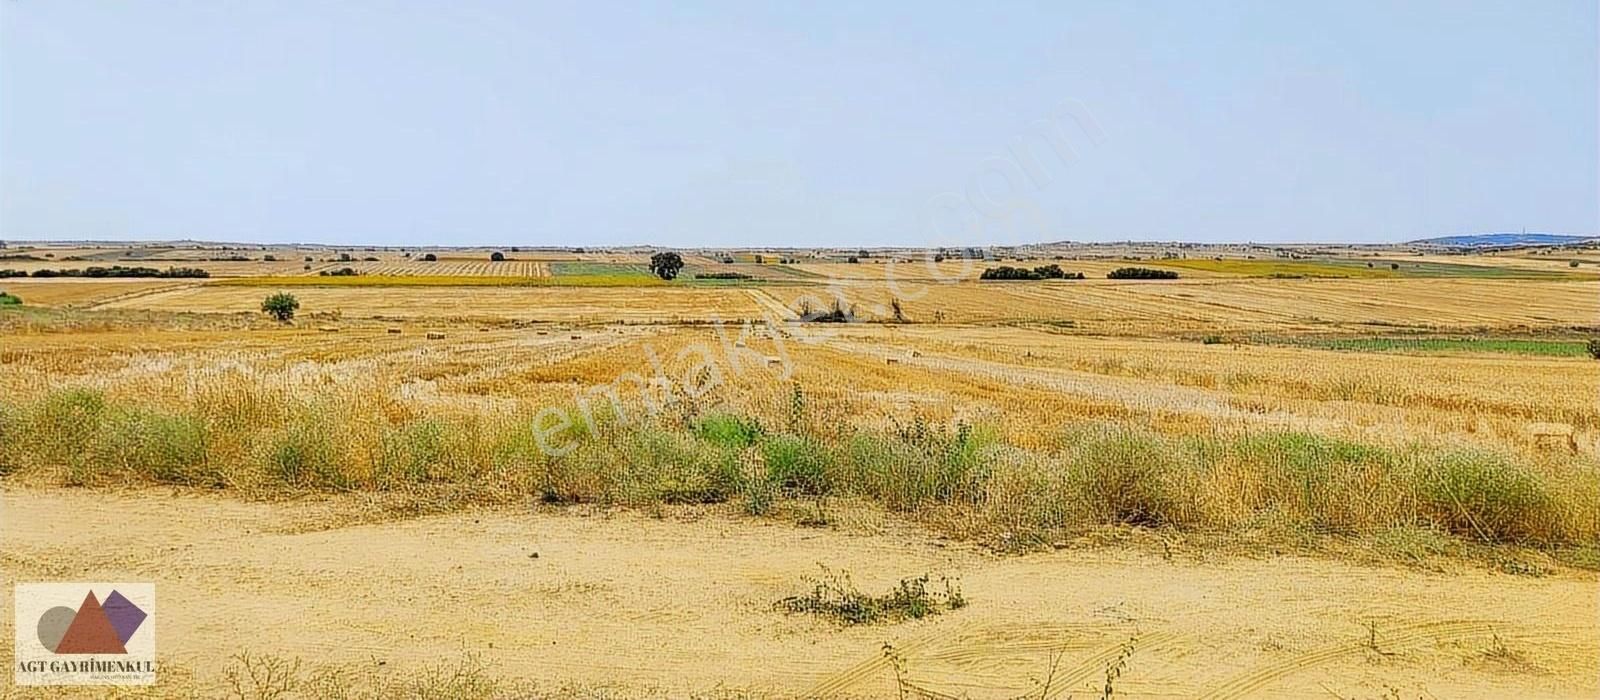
pixel 1013 437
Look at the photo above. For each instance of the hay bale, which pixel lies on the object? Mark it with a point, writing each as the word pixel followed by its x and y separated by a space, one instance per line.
pixel 394 331
pixel 892 360
pixel 435 335
pixel 577 337
pixel 774 360
pixel 328 329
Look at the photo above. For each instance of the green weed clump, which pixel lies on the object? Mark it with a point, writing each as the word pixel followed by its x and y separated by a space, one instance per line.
pixel 919 465
pixel 1485 496
pixel 60 428
pixel 834 596
pixel 170 449
pixel 797 465
pixel 305 455
pixel 1127 476
pixel 728 430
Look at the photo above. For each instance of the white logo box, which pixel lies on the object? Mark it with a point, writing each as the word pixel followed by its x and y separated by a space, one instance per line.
pixel 101 633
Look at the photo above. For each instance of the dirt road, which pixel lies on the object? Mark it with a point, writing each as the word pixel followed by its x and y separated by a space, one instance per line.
pixel 685 603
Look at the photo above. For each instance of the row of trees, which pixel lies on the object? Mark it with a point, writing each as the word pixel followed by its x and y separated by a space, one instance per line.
pixel 113 271
pixel 1054 272
pixel 1042 272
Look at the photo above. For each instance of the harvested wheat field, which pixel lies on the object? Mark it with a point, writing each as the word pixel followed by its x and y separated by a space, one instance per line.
pixel 574 304
pixel 1218 488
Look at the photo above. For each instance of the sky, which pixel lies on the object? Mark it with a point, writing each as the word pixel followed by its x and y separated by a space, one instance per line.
pixel 796 124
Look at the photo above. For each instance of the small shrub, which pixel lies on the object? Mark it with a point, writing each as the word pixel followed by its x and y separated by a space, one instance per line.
pixel 408 453
pixel 497 256
pixel 430 257
pixel 304 455
pixel 281 306
pixel 10 299
pixel 921 465
pixel 1482 495
pixel 834 596
pixel 796 465
pixel 722 276
pixel 758 495
pixel 168 449
pixel 1593 346
pixel 64 427
pixel 728 431
pixel 665 467
pixel 1127 475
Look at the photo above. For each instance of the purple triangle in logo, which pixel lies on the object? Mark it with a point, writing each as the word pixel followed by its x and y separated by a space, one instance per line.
pixel 125 617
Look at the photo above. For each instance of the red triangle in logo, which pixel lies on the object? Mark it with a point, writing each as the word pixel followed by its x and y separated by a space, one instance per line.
pixel 90 632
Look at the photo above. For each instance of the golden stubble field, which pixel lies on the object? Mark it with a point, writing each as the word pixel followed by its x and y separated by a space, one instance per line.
pixel 1274 529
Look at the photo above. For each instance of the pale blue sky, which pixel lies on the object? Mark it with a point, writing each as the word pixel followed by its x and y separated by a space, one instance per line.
pixel 733 124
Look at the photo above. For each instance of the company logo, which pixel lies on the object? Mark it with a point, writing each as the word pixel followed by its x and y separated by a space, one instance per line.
pixel 85 633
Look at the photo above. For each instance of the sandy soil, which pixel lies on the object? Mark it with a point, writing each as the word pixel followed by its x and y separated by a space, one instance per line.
pixel 684 603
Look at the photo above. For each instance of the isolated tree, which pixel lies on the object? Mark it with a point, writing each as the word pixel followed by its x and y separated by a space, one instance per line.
pixel 497 256
pixel 666 265
pixel 281 306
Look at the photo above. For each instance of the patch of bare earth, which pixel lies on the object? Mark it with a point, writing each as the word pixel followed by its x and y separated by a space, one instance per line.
pixel 684 604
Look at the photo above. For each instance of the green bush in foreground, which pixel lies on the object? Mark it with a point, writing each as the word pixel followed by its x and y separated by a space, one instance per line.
pixel 1484 496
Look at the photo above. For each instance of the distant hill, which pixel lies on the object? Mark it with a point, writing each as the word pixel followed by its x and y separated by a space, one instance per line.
pixel 1485 240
